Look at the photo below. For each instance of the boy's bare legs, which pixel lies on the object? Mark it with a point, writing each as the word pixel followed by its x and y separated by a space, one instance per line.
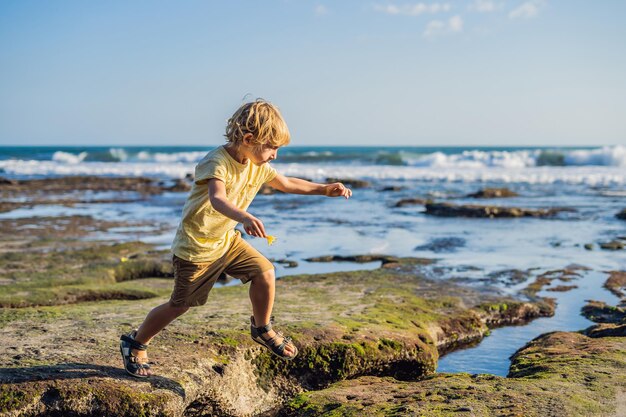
pixel 262 290
pixel 155 321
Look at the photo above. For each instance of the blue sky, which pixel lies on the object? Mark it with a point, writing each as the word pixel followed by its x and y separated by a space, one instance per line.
pixel 503 73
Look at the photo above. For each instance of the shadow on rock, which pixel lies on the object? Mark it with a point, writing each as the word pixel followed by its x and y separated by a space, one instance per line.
pixel 80 371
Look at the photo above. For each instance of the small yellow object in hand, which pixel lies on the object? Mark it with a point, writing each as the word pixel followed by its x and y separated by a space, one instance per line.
pixel 270 239
pixel 123 259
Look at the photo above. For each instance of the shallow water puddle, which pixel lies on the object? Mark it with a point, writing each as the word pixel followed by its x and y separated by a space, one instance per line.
pixel 492 354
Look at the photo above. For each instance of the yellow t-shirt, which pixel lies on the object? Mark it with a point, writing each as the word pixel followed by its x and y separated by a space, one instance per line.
pixel 204 234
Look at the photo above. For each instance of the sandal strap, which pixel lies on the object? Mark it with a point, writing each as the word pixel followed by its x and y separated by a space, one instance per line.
pixel 265 329
pixel 133 343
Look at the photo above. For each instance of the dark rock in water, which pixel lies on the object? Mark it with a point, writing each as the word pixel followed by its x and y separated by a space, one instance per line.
pixel 180 185
pixel 493 193
pixel 562 288
pixel 411 202
pixel 354 258
pixel 621 215
pixel 588 246
pixel 80 189
pixel 545 279
pixel 606 330
pixel 287 263
pixel 508 277
pixel 349 182
pixel 600 312
pixel 392 188
pixel 6 181
pixel 469 210
pixel 443 244
pixel 616 283
pixel 612 245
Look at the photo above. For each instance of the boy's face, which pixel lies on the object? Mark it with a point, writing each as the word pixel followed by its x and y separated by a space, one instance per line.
pixel 264 154
pixel 259 155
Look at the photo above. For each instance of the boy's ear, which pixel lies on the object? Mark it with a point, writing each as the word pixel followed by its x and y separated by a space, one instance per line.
pixel 247 139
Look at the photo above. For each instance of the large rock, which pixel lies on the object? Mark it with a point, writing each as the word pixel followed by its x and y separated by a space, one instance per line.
pixel 411 202
pixel 616 283
pixel 63 359
pixel 84 189
pixel 349 182
pixel 561 374
pixel 493 193
pixel 612 245
pixel 470 210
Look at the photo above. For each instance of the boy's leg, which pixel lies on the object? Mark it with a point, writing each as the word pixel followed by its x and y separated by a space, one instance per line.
pixel 262 290
pixel 157 320
pixel 154 322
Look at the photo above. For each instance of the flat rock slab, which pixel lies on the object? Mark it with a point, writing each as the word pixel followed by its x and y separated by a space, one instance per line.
pixel 471 210
pixel 558 374
pixel 64 359
pixel 81 188
pixel 493 193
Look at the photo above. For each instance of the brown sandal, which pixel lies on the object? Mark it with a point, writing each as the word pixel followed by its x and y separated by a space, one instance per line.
pixel 133 363
pixel 271 343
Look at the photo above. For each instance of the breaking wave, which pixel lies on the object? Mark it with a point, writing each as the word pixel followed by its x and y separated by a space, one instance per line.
pixel 416 157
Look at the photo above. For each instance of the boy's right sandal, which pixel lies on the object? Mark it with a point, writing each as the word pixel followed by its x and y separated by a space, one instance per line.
pixel 277 349
pixel 133 363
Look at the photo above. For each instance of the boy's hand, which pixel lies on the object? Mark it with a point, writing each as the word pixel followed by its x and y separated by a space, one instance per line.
pixel 337 190
pixel 253 226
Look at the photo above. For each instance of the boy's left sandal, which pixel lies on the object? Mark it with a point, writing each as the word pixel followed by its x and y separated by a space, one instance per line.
pixel 133 363
pixel 271 343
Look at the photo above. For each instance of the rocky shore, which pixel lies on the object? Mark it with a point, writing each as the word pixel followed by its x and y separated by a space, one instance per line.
pixel 59 340
pixel 369 340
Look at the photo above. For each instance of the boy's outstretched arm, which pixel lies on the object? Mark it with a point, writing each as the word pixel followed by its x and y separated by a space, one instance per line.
pixel 217 196
pixel 299 186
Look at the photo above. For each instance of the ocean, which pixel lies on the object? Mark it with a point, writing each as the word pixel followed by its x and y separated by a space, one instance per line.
pixel 591 181
pixel 593 166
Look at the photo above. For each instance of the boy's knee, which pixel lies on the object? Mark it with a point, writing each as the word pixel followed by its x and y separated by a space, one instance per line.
pixel 268 276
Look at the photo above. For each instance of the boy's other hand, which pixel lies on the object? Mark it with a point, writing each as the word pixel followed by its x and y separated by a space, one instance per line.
pixel 337 189
pixel 253 226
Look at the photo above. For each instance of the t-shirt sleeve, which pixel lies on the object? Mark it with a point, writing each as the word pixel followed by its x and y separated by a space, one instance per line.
pixel 208 169
pixel 269 172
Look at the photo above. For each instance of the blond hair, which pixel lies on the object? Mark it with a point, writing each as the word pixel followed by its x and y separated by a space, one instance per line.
pixel 263 120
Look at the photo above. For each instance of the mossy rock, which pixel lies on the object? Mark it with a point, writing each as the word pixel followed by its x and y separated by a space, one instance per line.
pixel 385 322
pixel 557 374
pixel 90 273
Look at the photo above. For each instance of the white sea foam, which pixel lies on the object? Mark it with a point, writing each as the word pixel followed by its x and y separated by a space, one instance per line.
pixel 589 175
pixel 475 159
pixel 606 156
pixel 118 154
pixel 133 169
pixel 593 176
pixel 68 158
pixel 177 157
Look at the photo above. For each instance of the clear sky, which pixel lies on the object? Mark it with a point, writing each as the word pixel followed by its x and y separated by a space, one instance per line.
pixel 474 72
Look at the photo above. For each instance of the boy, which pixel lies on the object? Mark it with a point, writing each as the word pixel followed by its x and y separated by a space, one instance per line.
pixel 206 244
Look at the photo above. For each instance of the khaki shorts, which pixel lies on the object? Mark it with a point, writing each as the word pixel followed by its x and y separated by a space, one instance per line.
pixel 193 281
